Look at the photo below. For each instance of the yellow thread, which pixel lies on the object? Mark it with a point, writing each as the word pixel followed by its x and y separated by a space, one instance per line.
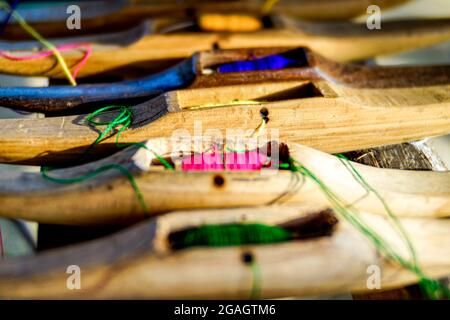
pixel 229 22
pixel 258 131
pixel 217 105
pixel 43 41
pixel 268 5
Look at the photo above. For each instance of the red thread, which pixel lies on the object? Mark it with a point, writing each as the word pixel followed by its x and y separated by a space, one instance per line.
pixel 47 53
pixel 248 160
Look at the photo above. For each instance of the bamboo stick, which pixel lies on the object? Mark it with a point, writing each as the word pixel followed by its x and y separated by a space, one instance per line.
pixel 140 264
pixel 343 41
pixel 109 197
pixel 313 66
pixel 51 21
pixel 200 71
pixel 330 118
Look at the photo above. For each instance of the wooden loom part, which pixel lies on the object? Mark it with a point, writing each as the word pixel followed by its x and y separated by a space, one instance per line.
pixel 139 263
pixel 117 15
pixel 198 72
pixel 411 104
pixel 330 118
pixel 343 41
pixel 29 196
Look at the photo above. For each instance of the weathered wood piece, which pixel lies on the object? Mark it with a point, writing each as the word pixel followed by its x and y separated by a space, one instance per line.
pixel 327 117
pixel 50 20
pixel 29 196
pixel 403 156
pixel 343 41
pixel 201 67
pixel 63 98
pixel 400 156
pixel 141 261
pixel 313 66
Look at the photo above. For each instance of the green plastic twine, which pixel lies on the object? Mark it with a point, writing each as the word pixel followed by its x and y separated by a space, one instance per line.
pixel 432 288
pixel 124 119
pixel 257 281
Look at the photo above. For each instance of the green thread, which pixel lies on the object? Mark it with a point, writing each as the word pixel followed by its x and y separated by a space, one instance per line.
pixel 121 169
pixel 257 281
pixel 124 119
pixel 359 178
pixel 30 30
pixel 236 235
pixel 431 287
pixel 232 235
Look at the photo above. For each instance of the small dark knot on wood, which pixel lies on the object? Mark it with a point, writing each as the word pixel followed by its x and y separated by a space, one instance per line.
pixel 219 181
pixel 264 114
pixel 247 257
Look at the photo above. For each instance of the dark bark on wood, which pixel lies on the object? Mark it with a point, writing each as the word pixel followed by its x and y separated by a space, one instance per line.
pixel 401 156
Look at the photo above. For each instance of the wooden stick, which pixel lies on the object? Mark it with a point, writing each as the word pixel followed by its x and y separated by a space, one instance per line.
pixel 109 197
pixel 137 263
pixel 124 37
pixel 342 119
pixel 63 98
pixel 201 67
pixel 342 42
pixel 314 67
pixel 117 14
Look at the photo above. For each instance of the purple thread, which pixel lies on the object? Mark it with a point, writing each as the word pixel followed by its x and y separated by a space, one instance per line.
pixel 272 62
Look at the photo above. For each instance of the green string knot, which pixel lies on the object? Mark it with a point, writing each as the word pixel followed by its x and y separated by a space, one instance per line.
pixel 124 118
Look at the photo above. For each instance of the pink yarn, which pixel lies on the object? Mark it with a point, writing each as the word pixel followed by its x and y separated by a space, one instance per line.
pixel 248 160
pixel 47 53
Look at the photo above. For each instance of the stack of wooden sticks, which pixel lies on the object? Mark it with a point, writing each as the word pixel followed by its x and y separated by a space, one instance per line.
pixel 224 149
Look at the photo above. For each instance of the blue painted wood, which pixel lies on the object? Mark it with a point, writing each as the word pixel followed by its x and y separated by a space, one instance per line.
pixel 52 11
pixel 62 98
